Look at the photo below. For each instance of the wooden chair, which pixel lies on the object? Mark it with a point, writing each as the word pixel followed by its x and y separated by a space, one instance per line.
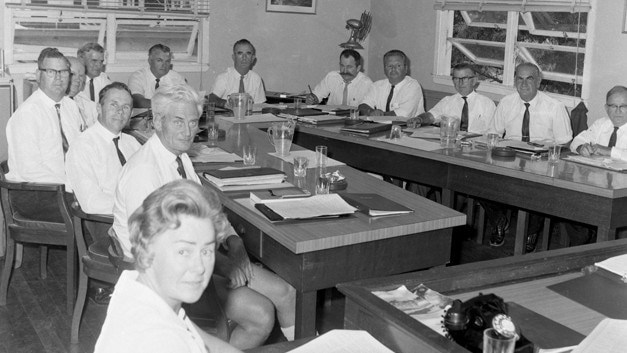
pixel 20 229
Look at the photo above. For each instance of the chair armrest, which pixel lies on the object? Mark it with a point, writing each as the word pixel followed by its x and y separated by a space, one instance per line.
pixel 29 186
pixel 101 218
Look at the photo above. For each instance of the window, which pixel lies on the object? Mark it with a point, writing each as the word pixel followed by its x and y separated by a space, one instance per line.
pixel 498 35
pixel 126 28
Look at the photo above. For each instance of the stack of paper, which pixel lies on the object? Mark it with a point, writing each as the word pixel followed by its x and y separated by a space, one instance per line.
pixel 343 341
pixel 616 265
pixel 608 337
pixel 375 205
pixel 271 195
pixel 244 176
pixel 200 153
pixel 318 206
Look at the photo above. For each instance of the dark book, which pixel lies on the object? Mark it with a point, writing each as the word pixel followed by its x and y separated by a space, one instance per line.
pixel 261 196
pixel 367 128
pixel 303 112
pixel 375 205
pixel 322 119
pixel 243 172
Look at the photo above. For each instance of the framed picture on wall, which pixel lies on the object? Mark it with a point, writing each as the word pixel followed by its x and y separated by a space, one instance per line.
pixel 294 6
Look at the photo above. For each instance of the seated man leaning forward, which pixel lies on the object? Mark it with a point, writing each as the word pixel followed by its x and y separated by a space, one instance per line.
pixel 607 136
pixel 95 160
pixel 474 110
pixel 345 87
pixel 173 235
pixel 240 78
pixel 398 94
pixel 253 291
pixel 143 83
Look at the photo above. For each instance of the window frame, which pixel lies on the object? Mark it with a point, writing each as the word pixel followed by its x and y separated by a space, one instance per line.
pixel 445 43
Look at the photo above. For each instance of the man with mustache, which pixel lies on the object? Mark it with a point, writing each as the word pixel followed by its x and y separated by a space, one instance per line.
pixel 397 95
pixel 144 83
pixel 240 78
pixel 345 87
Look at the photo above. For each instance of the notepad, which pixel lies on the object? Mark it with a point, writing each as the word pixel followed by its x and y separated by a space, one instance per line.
pixel 270 195
pixel 318 206
pixel 244 176
pixel 367 128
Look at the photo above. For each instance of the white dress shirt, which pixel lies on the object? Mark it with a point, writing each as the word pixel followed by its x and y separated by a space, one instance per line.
pixel 600 133
pixel 149 168
pixel 93 167
pixel 34 138
pixel 139 320
pixel 143 81
pixel 228 83
pixel 100 82
pixel 88 109
pixel 548 119
pixel 407 100
pixel 480 110
pixel 332 86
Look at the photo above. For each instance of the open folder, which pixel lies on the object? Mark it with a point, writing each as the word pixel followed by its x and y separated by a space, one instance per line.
pixel 318 206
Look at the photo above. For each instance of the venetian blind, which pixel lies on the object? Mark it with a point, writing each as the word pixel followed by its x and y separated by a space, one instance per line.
pixel 515 5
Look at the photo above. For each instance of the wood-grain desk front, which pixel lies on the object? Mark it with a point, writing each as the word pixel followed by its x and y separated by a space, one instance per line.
pixel 317 254
pixel 521 280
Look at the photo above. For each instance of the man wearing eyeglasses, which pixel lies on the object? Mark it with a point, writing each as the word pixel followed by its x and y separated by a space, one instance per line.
pixel 607 136
pixel 473 109
pixel 41 130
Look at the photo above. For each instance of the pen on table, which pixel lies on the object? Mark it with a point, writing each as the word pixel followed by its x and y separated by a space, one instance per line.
pixel 310 91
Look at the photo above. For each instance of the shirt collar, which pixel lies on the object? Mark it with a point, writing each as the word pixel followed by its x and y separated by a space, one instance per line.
pixel 104 132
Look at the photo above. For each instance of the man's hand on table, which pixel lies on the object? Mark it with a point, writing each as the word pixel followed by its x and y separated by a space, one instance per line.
pixel 311 99
pixel 588 149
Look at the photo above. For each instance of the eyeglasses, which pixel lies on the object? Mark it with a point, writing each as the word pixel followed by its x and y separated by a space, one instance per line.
pixel 614 107
pixel 51 73
pixel 463 80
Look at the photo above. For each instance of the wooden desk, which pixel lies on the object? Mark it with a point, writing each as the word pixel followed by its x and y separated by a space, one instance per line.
pixel 318 254
pixel 568 190
pixel 522 280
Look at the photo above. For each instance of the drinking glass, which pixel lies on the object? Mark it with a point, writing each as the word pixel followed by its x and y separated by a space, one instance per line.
pixel 493 342
pixel 354 114
pixel 321 156
pixel 554 153
pixel 449 126
pixel 300 166
pixel 396 132
pixel 323 183
pixel 298 104
pixel 493 140
pixel 213 131
pixel 249 154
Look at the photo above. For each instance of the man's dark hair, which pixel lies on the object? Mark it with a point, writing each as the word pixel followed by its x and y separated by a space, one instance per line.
pixel 396 52
pixel 160 47
pixel 88 47
pixel 350 53
pixel 113 85
pixel 464 66
pixel 244 41
pixel 51 53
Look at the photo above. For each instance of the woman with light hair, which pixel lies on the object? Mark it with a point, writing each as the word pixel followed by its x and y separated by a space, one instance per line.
pixel 173 235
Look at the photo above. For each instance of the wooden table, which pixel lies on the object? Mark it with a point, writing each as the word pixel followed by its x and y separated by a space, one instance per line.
pixel 567 190
pixel 318 254
pixel 521 280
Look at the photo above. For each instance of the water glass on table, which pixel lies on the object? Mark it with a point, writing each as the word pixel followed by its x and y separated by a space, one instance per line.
pixel 323 184
pixel 354 114
pixel 249 154
pixel 213 131
pixel 493 140
pixel 396 132
pixel 321 156
pixel 300 166
pixel 298 104
pixel 494 342
pixel 554 153
pixel 449 127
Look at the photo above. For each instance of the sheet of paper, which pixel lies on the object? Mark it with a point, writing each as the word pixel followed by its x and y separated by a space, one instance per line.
pixel 204 154
pixel 312 207
pixel 427 132
pixel 343 341
pixel 424 304
pixel 255 118
pixel 601 162
pixel 616 264
pixel 311 155
pixel 610 336
pixel 421 144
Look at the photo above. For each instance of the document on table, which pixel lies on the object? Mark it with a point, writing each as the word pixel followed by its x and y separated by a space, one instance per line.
pixel 311 207
pixel 200 153
pixel 601 162
pixel 416 143
pixel 343 341
pixel 310 155
pixel 610 336
pixel 616 265
pixel 255 118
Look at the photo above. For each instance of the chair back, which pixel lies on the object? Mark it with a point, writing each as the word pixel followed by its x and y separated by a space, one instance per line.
pixel 116 254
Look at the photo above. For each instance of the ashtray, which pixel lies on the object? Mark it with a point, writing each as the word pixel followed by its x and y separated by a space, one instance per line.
pixel 503 152
pixel 338 185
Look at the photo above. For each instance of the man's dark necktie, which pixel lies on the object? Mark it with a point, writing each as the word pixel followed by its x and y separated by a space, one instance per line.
pixel 241 85
pixel 387 104
pixel 157 83
pixel 180 168
pixel 345 93
pixel 525 124
pixel 120 154
pixel 464 123
pixel 92 91
pixel 613 138
pixel 63 138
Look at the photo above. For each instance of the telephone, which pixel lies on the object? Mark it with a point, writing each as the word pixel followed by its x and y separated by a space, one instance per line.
pixel 465 322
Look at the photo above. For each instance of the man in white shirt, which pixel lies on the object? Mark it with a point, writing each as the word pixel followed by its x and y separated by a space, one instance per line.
pixel 345 87
pixel 240 78
pixel 527 115
pixel 95 160
pixel 92 55
pixel 607 136
pixel 255 292
pixel 473 109
pixel 398 95
pixel 87 107
pixel 40 131
pixel 143 83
